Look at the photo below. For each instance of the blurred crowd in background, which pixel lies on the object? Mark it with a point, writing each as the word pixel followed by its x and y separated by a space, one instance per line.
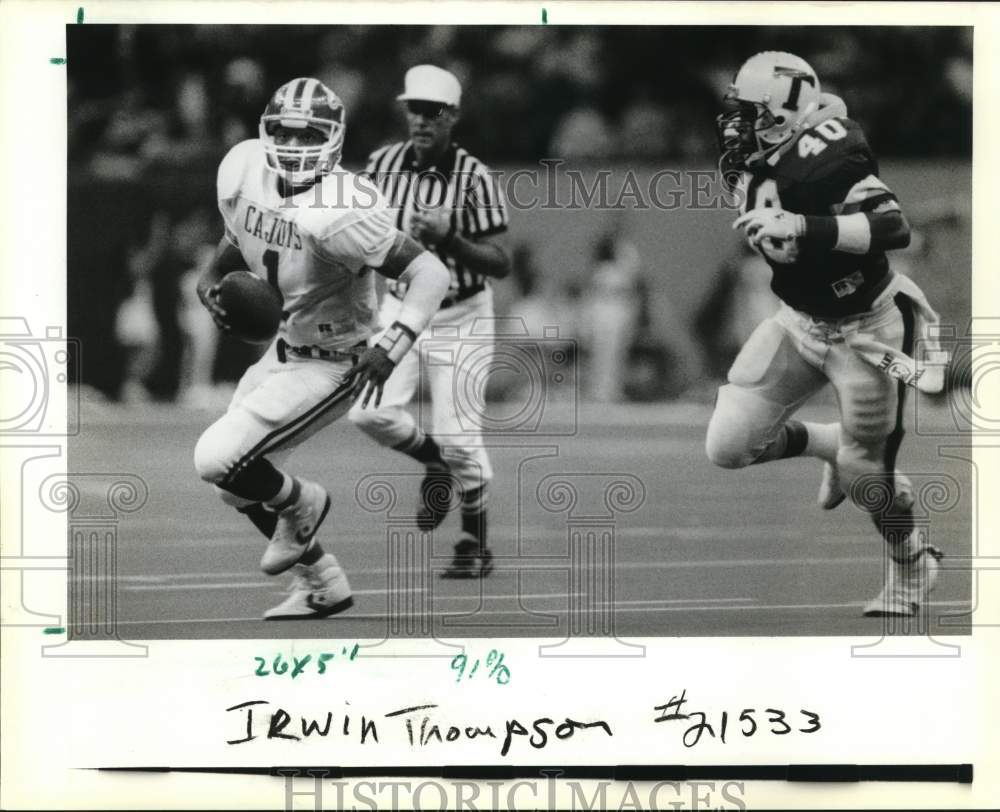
pixel 145 95
pixel 152 110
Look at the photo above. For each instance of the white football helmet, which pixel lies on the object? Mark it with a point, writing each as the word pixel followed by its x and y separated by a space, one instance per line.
pixel 772 94
pixel 296 105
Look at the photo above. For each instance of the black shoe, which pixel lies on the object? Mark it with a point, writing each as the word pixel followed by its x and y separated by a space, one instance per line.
pixel 437 490
pixel 472 560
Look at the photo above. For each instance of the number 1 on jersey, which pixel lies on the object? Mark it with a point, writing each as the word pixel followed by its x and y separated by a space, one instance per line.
pixel 271 264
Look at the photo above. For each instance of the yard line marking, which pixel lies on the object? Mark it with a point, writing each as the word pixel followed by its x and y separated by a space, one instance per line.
pixel 227 535
pixel 547 563
pixel 637 610
pixel 273 587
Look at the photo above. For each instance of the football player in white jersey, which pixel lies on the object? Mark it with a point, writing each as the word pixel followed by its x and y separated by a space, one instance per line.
pixel 296 218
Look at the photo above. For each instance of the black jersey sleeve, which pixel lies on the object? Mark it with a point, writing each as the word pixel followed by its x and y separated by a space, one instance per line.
pixel 819 175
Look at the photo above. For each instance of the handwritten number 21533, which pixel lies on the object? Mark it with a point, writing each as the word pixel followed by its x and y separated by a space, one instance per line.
pixel 701 723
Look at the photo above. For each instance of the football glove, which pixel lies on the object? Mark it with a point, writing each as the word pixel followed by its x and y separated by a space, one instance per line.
pixel 369 375
pixel 210 298
pixel 377 363
pixel 770 222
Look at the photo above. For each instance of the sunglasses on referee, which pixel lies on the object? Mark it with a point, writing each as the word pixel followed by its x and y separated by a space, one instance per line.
pixel 427 109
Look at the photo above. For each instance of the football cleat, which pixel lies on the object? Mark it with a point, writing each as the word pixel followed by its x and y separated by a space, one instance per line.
pixel 472 559
pixel 317 590
pixel 437 489
pixel 831 492
pixel 907 585
pixel 297 524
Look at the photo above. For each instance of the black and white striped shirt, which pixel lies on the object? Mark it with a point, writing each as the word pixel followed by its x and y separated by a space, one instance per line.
pixel 457 181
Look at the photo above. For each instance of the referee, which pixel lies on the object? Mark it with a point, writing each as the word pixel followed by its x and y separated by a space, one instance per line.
pixel 447 200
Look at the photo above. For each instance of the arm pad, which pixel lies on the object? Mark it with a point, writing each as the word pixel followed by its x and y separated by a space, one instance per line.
pixel 860 233
pixel 427 282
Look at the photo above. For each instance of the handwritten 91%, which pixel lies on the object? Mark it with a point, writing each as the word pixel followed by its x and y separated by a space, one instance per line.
pixel 494 667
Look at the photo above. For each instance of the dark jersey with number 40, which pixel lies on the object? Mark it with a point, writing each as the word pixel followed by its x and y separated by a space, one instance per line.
pixel 828 170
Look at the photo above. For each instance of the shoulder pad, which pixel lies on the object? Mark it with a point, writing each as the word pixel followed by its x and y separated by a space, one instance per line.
pixel 235 165
pixel 345 197
pixel 823 149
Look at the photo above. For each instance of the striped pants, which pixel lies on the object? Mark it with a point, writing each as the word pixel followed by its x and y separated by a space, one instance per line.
pixel 277 405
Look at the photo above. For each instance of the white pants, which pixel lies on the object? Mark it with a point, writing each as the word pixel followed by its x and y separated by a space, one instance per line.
pixel 787 359
pixel 276 407
pixel 453 355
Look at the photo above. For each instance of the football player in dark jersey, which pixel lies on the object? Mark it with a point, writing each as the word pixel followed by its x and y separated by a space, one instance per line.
pixel 813 204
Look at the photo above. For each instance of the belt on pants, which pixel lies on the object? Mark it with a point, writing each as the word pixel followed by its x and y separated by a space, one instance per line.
pixel 312 351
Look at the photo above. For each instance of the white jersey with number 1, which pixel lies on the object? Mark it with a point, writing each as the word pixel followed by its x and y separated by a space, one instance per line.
pixel 317 247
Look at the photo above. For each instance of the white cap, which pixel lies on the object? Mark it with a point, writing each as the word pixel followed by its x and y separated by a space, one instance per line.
pixel 430 83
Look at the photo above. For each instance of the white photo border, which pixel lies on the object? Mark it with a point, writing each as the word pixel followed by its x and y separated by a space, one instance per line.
pixel 64 716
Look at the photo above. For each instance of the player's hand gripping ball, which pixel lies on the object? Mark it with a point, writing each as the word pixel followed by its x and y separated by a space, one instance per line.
pixel 250 307
pixel 772 231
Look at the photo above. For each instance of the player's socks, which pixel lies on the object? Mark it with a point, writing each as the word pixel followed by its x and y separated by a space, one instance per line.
pixel 796 439
pixel 790 442
pixel 896 527
pixel 263 519
pixel 474 514
pixel 288 494
pixel 473 558
pixel 257 481
pixel 823 440
pixel 799 439
pixel 422 447
pixel 312 554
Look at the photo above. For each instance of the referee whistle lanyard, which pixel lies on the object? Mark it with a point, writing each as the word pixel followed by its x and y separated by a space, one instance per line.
pixel 925 372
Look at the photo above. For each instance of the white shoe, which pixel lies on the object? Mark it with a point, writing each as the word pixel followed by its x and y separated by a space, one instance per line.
pixel 906 585
pixel 317 590
pixel 297 524
pixel 831 492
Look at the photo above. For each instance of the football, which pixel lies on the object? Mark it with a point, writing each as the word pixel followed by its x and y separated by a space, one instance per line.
pixel 253 307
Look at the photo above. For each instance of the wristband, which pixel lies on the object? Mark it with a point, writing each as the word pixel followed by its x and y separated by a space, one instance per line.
pixel 850 233
pixel 820 232
pixel 397 340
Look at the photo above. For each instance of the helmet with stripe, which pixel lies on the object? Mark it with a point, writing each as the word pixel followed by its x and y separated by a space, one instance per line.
pixel 770 97
pixel 303 104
